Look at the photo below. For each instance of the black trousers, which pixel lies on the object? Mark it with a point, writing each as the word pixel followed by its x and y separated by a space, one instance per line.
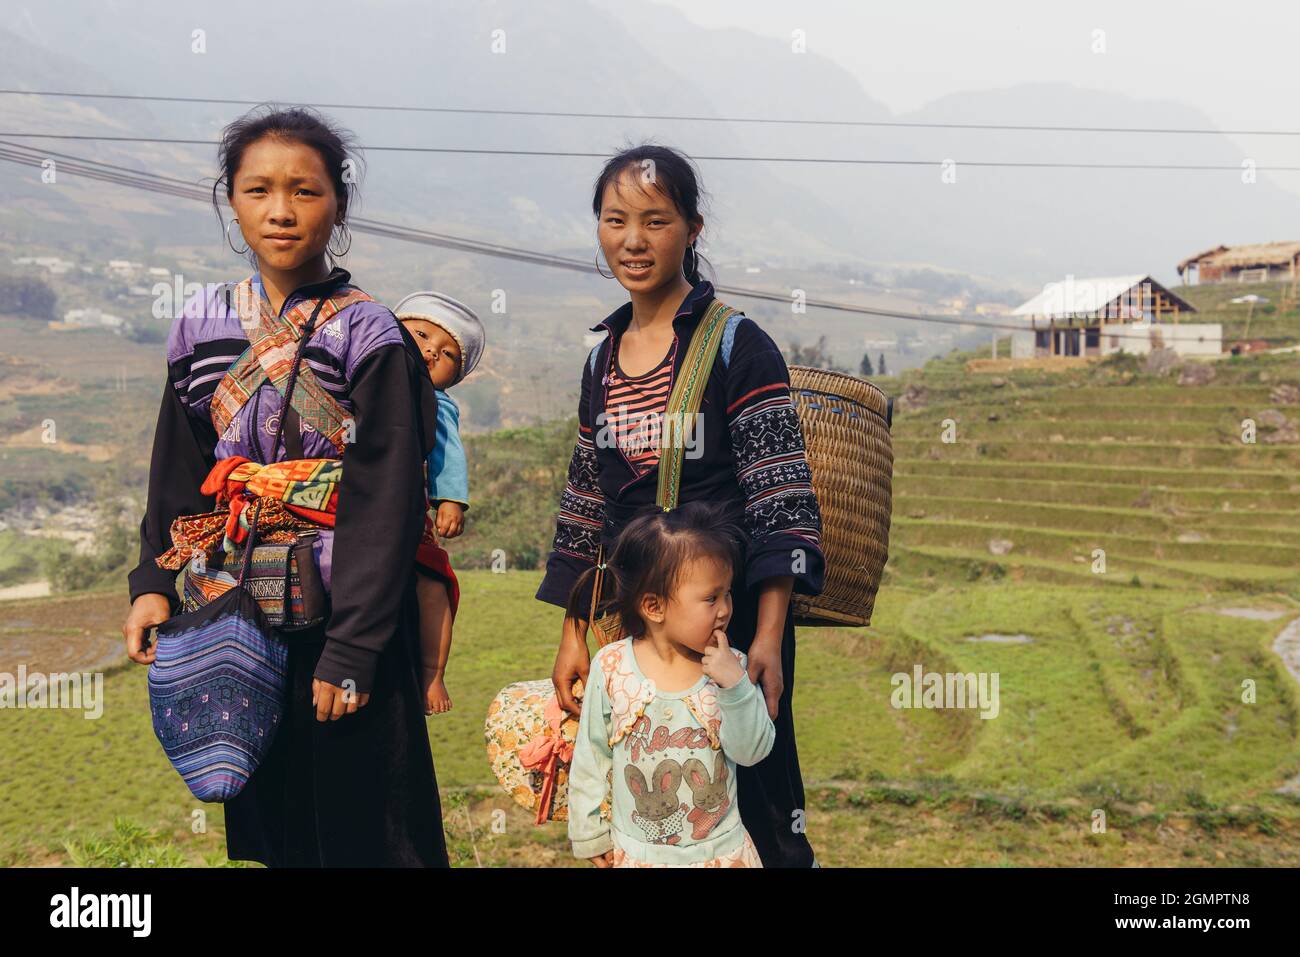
pixel 771 792
pixel 356 792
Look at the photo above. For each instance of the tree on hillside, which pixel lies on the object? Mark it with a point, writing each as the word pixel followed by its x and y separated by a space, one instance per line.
pixel 28 297
pixel 881 365
pixel 816 356
pixel 865 367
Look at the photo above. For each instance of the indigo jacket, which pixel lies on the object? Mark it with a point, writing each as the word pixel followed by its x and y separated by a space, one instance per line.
pixel 750 454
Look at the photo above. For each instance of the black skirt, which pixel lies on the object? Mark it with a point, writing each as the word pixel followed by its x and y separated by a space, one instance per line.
pixel 770 792
pixel 356 792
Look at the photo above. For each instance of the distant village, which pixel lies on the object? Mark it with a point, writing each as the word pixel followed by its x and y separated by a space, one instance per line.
pixel 1071 318
pixel 135 274
pixel 1136 314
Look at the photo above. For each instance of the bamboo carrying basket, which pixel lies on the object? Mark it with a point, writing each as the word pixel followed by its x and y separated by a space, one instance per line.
pixel 845 422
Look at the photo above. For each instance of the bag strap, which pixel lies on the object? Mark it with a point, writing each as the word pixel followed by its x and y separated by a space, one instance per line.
pixel 262 362
pixel 595 588
pixel 684 402
pixel 279 430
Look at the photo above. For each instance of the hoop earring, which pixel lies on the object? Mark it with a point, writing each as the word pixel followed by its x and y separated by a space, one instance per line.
pixel 237 252
pixel 347 232
pixel 611 275
pixel 695 262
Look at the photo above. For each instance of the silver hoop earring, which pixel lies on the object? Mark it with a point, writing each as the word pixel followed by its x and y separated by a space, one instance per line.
pixel 695 262
pixel 347 232
pixel 598 269
pixel 237 252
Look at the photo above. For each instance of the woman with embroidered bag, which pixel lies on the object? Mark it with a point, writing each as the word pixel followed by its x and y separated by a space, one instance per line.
pixel 348 777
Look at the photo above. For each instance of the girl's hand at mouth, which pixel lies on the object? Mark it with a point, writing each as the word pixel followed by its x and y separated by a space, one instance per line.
pixel 719 662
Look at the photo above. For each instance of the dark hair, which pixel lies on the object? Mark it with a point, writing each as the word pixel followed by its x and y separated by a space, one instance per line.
pixel 335 145
pixel 675 174
pixel 652 552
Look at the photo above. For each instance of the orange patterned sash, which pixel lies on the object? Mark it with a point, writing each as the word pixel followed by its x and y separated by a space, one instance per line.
pixel 296 494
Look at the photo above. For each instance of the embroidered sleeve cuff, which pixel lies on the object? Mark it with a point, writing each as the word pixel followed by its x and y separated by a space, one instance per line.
pixel 150 579
pixel 593 846
pixel 339 663
pixel 562 570
pixel 786 554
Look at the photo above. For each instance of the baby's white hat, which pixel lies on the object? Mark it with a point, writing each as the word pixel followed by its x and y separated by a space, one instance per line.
pixel 457 318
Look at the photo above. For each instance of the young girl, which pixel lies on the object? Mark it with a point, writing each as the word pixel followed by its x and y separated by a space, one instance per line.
pixel 349 778
pixel 669 709
pixel 451 339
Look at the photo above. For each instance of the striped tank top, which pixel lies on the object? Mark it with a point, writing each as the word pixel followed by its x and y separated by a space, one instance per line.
pixel 634 408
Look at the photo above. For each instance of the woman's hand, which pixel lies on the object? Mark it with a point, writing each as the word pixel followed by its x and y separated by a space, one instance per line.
pixel 765 650
pixel 450 520
pixel 765 669
pixel 572 661
pixel 147 611
pixel 333 702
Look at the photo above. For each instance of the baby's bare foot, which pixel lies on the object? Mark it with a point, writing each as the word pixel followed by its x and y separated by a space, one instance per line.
pixel 436 699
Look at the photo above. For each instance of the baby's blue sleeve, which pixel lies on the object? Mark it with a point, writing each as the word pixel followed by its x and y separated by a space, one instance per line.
pixel 747 732
pixel 588 774
pixel 448 469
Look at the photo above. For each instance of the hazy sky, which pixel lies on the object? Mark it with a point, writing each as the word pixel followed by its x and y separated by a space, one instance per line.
pixel 1238 64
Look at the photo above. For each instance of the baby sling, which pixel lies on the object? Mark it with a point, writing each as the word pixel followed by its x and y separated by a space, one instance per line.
pixel 300 493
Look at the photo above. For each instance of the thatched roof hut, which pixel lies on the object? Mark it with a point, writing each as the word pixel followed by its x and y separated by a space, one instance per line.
pixel 1256 262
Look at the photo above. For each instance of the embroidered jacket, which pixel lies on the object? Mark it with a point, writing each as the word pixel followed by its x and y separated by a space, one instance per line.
pixel 371 366
pixel 750 452
pixel 673 757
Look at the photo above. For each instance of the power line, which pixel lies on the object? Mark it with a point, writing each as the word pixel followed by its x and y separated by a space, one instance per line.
pixel 844 161
pixel 574 114
pixel 170 186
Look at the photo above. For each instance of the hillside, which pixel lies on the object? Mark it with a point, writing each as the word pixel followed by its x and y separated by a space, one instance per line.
pixel 1122 692
pixel 1278 318
pixel 1045 467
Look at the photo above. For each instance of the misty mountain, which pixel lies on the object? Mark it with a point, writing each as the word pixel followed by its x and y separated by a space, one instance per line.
pixel 806 225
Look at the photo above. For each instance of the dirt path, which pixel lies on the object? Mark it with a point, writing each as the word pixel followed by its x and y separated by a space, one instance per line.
pixel 1287 646
pixel 25 590
pixel 79 632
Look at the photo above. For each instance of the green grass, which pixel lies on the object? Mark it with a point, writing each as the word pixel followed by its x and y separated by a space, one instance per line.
pixel 21 556
pixel 1127 700
pixel 1118 698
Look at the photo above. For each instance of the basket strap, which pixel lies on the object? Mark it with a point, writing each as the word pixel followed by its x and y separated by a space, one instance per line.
pixel 684 402
pixel 683 405
pixel 598 585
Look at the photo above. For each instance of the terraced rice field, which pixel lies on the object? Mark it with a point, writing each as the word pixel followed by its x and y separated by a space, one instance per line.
pixel 1160 692
pixel 1030 477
